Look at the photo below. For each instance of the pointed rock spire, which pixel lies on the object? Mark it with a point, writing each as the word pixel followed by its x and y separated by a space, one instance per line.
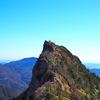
pixel 48 46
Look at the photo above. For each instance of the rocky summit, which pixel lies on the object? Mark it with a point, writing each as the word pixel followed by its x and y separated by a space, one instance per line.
pixel 60 75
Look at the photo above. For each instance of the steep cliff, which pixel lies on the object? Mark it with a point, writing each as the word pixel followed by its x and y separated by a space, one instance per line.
pixel 59 75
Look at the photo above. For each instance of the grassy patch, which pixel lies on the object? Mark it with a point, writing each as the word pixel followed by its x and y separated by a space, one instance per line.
pixel 51 96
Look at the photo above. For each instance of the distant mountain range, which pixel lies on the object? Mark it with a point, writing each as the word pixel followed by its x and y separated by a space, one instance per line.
pixel 96 71
pixel 93 67
pixel 25 62
pixel 7 93
pixel 16 74
pixel 5 61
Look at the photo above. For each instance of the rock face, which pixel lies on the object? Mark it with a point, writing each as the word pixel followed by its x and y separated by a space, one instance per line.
pixel 59 75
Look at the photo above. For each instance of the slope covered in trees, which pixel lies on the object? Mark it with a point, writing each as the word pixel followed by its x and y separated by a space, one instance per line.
pixel 59 75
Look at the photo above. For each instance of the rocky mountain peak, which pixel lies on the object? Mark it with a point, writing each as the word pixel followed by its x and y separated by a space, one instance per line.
pixel 59 75
pixel 49 46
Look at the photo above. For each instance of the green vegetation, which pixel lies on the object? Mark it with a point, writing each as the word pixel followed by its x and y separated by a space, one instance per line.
pixel 76 74
pixel 51 96
pixel 82 91
pixel 68 91
pixel 58 95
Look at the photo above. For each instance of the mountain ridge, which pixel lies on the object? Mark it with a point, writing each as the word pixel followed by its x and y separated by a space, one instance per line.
pixel 60 75
pixel 25 62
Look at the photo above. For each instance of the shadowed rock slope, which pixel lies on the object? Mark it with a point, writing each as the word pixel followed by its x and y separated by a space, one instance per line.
pixel 59 75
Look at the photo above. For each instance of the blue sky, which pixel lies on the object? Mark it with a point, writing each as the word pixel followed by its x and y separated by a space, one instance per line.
pixel 25 24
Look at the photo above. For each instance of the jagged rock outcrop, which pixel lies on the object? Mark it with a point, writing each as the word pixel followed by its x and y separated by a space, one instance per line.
pixel 59 75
